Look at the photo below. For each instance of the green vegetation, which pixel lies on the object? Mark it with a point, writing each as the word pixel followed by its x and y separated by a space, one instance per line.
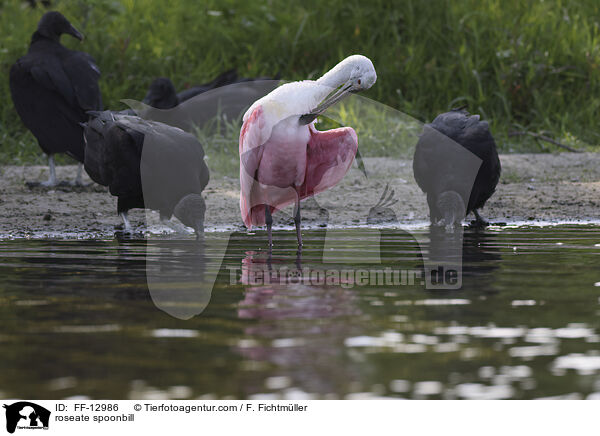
pixel 526 66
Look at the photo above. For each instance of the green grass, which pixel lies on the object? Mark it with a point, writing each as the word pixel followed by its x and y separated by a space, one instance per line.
pixel 531 66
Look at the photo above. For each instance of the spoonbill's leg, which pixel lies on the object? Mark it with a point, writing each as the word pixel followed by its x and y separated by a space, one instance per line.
pixel 297 221
pixel 78 179
pixel 299 260
pixel 269 222
pixel 479 220
pixel 126 223
pixel 52 177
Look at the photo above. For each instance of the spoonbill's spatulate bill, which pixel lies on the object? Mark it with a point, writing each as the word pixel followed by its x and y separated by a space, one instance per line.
pixel 456 181
pixel 147 164
pixel 283 157
pixel 53 87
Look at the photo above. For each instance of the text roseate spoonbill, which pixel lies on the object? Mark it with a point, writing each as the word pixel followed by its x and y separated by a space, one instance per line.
pixel 283 157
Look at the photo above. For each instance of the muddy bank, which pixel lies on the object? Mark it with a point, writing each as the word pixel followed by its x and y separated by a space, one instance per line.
pixel 533 187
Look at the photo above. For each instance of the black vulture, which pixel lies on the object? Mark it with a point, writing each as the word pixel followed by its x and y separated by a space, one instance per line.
pixel 52 88
pixel 162 93
pixel 147 164
pixel 208 109
pixel 456 164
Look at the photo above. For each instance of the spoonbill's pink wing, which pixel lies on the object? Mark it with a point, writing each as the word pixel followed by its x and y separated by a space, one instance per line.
pixel 250 154
pixel 329 157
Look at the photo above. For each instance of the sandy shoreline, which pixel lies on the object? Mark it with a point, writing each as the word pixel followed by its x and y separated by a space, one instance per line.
pixel 534 187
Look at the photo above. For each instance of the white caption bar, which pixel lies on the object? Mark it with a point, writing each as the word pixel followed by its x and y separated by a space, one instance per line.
pixel 74 417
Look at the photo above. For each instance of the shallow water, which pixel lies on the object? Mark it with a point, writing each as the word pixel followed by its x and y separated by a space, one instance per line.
pixel 107 319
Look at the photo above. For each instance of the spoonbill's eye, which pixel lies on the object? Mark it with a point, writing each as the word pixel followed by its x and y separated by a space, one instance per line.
pixel 359 81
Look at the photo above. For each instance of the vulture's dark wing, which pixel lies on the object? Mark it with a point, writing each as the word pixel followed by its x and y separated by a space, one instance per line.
pixel 48 72
pixel 97 153
pixel 43 96
pixel 83 74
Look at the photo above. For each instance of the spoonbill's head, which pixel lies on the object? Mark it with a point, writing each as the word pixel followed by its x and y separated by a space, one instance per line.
pixel 358 73
pixel 354 74
pixel 53 24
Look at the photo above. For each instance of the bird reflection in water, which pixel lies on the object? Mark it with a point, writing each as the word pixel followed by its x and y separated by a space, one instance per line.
pixel 481 257
pixel 281 287
pixel 175 271
pixel 471 251
pixel 297 325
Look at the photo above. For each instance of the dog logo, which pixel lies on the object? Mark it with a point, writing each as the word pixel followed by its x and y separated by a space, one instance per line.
pixel 26 415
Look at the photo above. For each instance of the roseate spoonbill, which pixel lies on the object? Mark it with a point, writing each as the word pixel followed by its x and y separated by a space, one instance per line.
pixel 52 88
pixel 283 157
pixel 443 173
pixel 147 164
